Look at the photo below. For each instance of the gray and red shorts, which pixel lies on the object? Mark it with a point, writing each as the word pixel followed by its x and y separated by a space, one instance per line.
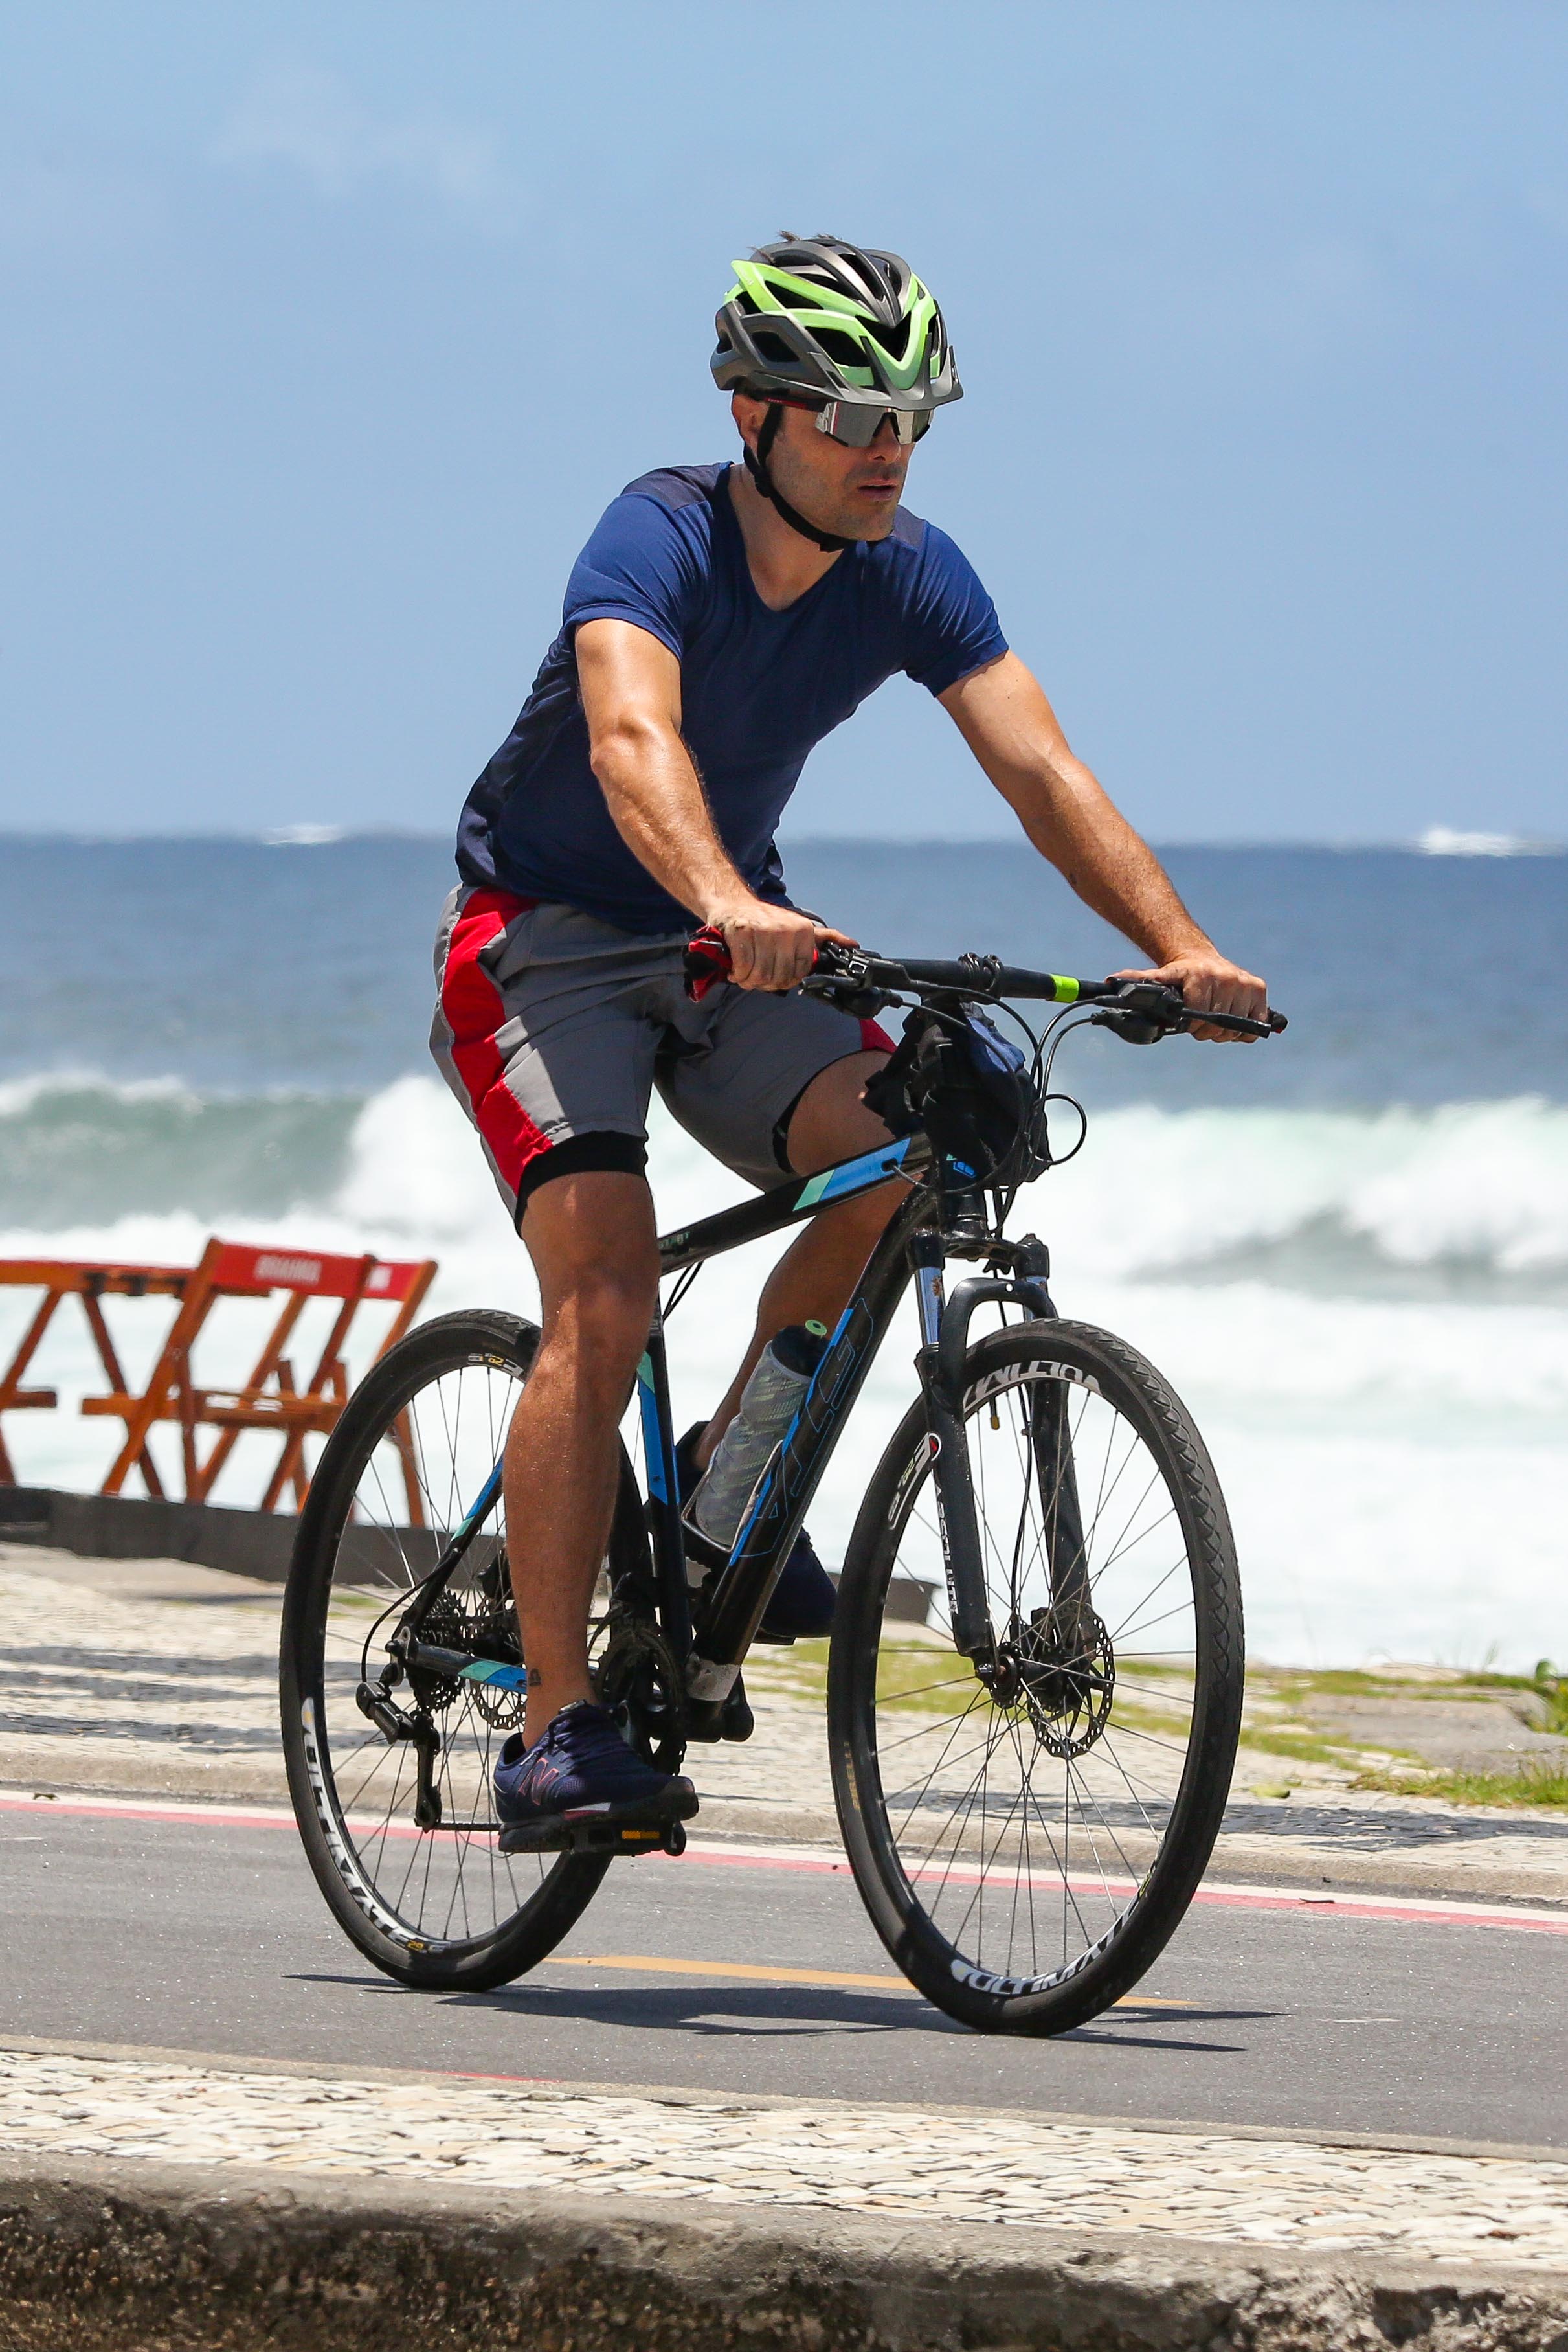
pixel 552 1029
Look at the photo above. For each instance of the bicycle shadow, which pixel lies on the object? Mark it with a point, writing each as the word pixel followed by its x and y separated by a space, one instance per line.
pixel 715 2012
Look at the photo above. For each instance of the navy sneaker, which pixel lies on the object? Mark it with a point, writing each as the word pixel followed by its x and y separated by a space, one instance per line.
pixel 801 1607
pixel 581 1772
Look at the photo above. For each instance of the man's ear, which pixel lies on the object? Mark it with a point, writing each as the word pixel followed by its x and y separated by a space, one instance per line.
pixel 748 415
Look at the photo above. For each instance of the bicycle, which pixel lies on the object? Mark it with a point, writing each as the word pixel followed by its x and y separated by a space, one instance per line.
pixel 1029 1787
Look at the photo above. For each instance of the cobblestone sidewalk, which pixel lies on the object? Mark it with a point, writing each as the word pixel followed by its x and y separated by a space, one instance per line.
pixel 970 2168
pixel 154 1675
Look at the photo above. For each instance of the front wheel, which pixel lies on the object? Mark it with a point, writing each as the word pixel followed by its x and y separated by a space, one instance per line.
pixel 1026 1846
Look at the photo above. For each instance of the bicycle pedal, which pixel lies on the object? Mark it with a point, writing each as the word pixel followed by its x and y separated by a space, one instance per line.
pixel 580 1837
pixel 593 1834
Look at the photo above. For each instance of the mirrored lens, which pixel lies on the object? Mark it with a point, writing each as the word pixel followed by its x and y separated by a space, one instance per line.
pixel 858 428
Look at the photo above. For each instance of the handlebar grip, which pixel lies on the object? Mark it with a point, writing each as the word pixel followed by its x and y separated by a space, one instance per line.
pixel 706 960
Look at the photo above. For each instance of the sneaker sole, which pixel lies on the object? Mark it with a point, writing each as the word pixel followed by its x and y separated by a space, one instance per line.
pixel 615 1829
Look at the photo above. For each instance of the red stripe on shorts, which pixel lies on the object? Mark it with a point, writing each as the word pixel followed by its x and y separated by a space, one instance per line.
pixel 874 1038
pixel 474 1011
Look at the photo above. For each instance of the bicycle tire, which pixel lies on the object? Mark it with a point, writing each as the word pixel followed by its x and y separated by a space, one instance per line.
pixel 1124 1924
pixel 350 1862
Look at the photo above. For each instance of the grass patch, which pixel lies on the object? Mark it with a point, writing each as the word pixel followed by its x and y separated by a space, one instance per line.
pixel 1543 1784
pixel 1298 1686
pixel 1302 1747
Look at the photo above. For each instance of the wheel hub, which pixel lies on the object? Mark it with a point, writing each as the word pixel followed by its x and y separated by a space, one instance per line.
pixel 1061 1671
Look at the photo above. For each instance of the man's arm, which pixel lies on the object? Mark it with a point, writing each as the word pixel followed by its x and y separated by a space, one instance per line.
pixel 631 686
pixel 1012 730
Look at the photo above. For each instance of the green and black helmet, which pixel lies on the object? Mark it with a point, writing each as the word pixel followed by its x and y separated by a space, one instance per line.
pixel 816 317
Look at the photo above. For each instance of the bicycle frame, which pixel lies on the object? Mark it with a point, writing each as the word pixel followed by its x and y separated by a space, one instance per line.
pixel 912 1246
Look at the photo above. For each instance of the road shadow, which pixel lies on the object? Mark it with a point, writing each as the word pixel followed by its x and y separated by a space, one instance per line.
pixel 720 2011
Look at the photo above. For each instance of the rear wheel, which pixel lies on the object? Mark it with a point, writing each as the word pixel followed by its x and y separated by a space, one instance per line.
pixel 1027 1849
pixel 401 1832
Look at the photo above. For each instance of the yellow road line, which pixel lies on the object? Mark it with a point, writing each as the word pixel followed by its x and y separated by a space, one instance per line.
pixel 749 1972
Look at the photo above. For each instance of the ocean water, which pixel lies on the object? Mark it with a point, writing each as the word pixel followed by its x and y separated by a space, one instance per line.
pixel 1348 1248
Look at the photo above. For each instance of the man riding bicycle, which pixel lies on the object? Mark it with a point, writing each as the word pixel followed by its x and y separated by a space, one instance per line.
pixel 720 622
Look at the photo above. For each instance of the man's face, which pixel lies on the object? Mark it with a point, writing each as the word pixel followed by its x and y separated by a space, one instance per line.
pixel 853 493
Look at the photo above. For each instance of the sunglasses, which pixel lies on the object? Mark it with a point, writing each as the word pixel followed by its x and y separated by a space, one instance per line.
pixel 857 428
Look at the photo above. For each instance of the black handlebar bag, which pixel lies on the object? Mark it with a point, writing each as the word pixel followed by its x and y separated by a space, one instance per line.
pixel 955 1074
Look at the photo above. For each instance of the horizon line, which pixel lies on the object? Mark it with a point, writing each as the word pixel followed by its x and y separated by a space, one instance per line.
pixel 1434 841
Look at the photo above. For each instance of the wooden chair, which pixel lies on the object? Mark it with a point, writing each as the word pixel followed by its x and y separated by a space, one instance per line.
pixel 62 1278
pixel 271 1399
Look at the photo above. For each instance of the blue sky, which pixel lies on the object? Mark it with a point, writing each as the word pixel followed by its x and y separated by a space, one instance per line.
pixel 330 329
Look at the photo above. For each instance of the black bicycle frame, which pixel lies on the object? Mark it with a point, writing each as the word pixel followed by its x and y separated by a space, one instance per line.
pixel 912 1245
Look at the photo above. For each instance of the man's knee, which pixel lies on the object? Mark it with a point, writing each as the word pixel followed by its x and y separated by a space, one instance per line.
pixel 606 1308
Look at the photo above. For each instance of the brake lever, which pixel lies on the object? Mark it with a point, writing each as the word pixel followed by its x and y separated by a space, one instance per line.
pixel 1142 1013
pixel 842 976
pixel 1145 1011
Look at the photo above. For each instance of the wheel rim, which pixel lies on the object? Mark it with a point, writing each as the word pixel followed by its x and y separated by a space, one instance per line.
pixel 1022 1824
pixel 425 1888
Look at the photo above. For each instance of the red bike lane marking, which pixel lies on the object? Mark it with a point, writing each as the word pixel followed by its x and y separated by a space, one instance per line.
pixel 1399 1910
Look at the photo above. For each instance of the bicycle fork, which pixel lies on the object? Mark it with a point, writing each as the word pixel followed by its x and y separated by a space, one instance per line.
pixel 943 1340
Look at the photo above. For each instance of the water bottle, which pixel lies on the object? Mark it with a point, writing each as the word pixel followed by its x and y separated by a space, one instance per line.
pixel 768 1403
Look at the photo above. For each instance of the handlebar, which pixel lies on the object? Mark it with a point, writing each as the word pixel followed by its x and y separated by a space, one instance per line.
pixel 1138 1010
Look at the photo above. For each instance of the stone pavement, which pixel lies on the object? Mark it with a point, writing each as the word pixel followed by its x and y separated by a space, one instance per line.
pixel 942 2165
pixel 158 1676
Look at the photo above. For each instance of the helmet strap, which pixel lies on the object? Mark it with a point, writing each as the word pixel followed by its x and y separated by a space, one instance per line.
pixel 757 467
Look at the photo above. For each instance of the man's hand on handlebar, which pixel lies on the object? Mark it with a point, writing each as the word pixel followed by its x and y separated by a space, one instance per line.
pixel 1208 981
pixel 770 947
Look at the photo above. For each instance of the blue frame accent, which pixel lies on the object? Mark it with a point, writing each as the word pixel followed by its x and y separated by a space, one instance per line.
pixel 653 1430
pixel 488 1496
pixel 854 1175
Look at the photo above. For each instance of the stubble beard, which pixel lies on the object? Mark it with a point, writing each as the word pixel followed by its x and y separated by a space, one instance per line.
pixel 844 517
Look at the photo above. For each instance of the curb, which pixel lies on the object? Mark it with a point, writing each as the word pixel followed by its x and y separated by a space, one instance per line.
pixel 131 1526
pixel 95 2256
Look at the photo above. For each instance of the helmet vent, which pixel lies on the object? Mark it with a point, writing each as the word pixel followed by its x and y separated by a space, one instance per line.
pixel 774 348
pixel 839 346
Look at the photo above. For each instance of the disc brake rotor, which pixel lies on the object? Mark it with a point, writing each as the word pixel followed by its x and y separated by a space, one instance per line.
pixel 1066 1672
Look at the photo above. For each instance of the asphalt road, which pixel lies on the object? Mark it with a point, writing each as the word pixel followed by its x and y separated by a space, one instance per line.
pixel 205 1933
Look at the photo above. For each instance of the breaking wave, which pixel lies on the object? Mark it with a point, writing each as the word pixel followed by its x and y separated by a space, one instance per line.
pixel 1467 1199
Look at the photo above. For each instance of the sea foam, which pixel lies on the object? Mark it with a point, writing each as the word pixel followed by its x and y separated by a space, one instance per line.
pixel 1365 1313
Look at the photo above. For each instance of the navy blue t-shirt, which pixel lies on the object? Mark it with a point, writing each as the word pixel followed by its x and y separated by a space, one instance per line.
pixel 758 688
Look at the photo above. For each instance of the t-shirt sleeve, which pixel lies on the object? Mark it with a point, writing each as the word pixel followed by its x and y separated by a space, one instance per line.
pixel 640 566
pixel 950 624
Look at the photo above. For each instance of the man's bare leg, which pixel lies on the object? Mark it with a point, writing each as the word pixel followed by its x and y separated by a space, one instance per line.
pixel 592 1241
pixel 813 1279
